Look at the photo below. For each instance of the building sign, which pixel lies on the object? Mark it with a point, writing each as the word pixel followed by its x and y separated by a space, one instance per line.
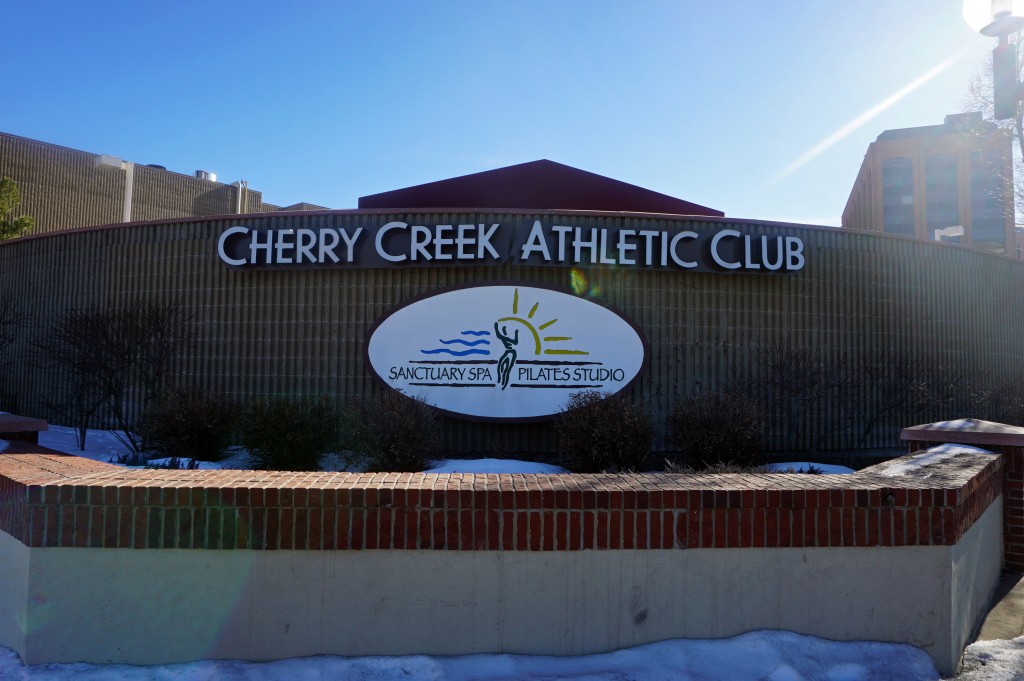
pixel 504 351
pixel 403 244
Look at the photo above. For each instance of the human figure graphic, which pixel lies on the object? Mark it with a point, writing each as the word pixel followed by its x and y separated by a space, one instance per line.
pixel 508 358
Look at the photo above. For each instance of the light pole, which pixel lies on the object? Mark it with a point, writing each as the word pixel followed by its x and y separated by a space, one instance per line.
pixel 1003 19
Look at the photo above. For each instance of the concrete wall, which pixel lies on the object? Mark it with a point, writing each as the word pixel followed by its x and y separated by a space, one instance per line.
pixel 105 564
pixel 158 606
pixel 13 593
pixel 976 563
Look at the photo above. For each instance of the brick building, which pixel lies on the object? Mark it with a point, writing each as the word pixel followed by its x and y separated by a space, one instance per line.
pixel 951 182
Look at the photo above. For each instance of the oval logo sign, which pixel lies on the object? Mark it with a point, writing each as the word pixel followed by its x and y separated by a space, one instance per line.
pixel 504 352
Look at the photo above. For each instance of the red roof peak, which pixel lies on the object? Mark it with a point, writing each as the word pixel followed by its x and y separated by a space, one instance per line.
pixel 541 184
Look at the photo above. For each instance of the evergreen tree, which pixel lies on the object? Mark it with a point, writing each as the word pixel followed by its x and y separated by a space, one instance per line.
pixel 11 226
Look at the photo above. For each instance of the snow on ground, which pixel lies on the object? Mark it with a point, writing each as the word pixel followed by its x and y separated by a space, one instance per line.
pixel 929 456
pixel 100 445
pixel 767 655
pixel 802 466
pixel 103 445
pixel 492 466
pixel 994 661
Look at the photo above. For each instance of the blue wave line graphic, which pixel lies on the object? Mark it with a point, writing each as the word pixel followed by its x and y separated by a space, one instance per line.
pixel 476 333
pixel 456 353
pixel 482 341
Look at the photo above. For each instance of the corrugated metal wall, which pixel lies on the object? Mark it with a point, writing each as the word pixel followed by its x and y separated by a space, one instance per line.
pixel 302 331
pixel 62 189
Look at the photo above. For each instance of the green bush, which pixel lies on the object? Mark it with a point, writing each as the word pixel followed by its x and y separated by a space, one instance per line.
pixel 289 434
pixel 189 423
pixel 392 432
pixel 712 429
pixel 602 432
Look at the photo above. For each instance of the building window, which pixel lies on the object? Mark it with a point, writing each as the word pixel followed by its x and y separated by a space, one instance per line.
pixel 898 196
pixel 940 191
pixel 987 218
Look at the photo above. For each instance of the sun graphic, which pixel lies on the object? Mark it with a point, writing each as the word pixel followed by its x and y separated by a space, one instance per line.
pixel 535 331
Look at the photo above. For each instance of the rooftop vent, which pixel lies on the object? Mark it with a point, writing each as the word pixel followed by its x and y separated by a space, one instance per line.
pixel 108 162
pixel 206 175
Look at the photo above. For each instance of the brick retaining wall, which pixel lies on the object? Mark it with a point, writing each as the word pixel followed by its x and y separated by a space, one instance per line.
pixel 48 499
pixel 995 437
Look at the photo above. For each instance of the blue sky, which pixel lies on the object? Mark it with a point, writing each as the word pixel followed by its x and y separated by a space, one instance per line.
pixel 753 107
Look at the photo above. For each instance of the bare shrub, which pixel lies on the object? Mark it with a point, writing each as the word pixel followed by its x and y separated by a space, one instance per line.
pixel 392 432
pixel 289 434
pixel 602 432
pixel 712 429
pixel 189 423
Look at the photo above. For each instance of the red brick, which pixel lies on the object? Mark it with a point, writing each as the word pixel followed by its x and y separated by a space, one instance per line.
pixel 343 529
pixel 301 536
pixel 642 530
pixel 655 534
pixel 603 521
pixel 124 524
pixel 758 527
pixel 911 538
pixel 425 529
pixel 439 521
pixel 785 528
pixel 899 535
pixel 561 531
pixel 243 535
pixel 667 530
pixel 835 527
pixel 575 529
pixel 479 529
pixel 850 526
pixel 400 527
pixel 467 533
pixel 949 526
pixel 140 522
pixel 822 533
pixel 286 529
pixel 535 531
pixel 371 527
pixel 589 530
pixel 493 530
pixel 615 530
pixel 258 533
pixel 548 530
pixel 508 530
pixel 733 528
pixel 184 529
pixel 874 536
pixel 522 527
pixel 628 530
pixel 924 527
pixel 37 525
pixel 797 527
pixel 720 536
pixel 82 516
